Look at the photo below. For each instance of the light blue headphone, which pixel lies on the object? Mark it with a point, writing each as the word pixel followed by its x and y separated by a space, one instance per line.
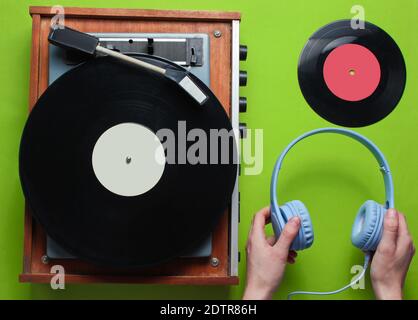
pixel 368 225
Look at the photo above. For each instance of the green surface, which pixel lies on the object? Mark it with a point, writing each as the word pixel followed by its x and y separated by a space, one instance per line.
pixel 332 175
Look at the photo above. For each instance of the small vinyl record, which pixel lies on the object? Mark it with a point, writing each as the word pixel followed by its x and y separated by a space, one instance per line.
pixel 351 77
pixel 97 177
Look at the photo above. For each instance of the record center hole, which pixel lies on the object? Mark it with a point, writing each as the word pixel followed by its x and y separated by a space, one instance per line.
pixel 352 72
pixel 131 41
pixel 128 160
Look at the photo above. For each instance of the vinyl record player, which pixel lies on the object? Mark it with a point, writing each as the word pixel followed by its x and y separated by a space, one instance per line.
pixel 207 45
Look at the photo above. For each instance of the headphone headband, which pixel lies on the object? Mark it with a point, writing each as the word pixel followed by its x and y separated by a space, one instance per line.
pixel 383 164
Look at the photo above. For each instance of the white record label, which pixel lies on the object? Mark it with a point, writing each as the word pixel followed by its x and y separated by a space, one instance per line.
pixel 128 159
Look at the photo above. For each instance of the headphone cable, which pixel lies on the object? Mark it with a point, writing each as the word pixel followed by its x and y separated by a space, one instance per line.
pixel 362 274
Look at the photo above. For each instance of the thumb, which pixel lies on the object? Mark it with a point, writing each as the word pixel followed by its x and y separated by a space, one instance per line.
pixel 287 236
pixel 390 231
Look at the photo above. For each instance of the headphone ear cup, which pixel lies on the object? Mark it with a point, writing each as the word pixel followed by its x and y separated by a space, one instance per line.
pixel 305 236
pixel 368 226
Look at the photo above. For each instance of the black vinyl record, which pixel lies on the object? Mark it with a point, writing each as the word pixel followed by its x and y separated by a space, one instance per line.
pixel 351 77
pixel 72 205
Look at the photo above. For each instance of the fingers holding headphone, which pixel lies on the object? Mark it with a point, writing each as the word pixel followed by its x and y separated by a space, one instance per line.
pixel 390 233
pixel 392 258
pixel 266 257
pixel 396 236
pixel 257 236
pixel 289 233
pixel 260 220
pixel 291 258
pixel 405 243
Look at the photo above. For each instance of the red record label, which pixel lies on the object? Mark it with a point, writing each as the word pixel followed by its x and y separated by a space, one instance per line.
pixel 352 72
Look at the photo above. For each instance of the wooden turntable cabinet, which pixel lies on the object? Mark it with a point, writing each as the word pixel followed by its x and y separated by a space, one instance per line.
pixel 222 29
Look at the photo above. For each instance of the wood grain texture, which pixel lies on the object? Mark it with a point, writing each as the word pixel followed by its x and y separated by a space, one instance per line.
pixel 33 97
pixel 178 271
pixel 132 14
pixel 176 280
pixel 34 61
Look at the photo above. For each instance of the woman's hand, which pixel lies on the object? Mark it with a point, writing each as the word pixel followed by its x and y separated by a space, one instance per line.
pixel 392 258
pixel 266 257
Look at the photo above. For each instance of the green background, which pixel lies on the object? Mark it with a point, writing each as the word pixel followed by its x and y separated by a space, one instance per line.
pixel 331 174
